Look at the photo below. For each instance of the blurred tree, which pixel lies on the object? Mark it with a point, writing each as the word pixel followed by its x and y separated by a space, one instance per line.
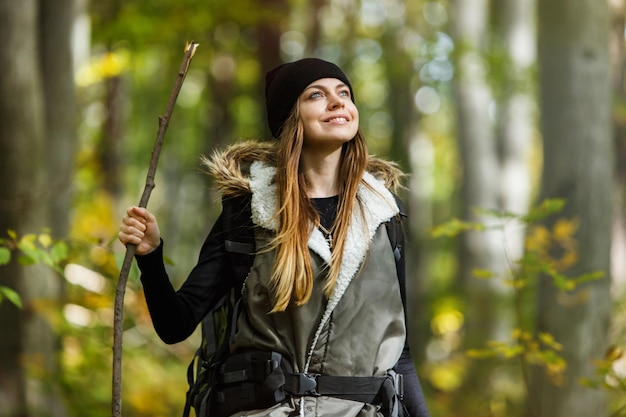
pixel 616 45
pixel 21 118
pixel 575 99
pixel 398 65
pixel 480 166
pixel 515 39
pixel 36 155
pixel 494 123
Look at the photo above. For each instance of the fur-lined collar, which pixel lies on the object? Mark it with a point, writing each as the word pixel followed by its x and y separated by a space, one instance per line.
pixel 249 167
pixel 230 167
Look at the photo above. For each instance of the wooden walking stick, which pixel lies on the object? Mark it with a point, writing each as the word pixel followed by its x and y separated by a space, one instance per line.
pixel 118 317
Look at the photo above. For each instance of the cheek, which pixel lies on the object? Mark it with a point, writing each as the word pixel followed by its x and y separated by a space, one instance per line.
pixel 353 110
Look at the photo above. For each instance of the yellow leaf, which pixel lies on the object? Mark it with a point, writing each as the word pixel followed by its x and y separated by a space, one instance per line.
pixel 538 239
pixel 613 353
pixel 548 340
pixel 45 240
pixel 112 65
pixel 479 353
pixel 482 273
pixel 564 229
pixel 447 322
pixel 28 241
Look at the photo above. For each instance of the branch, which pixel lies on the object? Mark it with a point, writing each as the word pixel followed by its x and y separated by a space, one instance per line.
pixel 118 318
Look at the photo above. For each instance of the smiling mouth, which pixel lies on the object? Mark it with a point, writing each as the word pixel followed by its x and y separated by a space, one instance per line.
pixel 339 119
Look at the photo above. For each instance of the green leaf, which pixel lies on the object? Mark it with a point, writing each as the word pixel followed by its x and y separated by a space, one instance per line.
pixel 46 259
pixel 498 214
pixel 483 273
pixel 455 227
pixel 544 209
pixel 59 252
pixel 11 295
pixel 590 276
pixel 480 353
pixel 5 256
pixel 29 249
pixel 26 260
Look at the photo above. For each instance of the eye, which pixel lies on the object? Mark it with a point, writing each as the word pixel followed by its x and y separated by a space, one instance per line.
pixel 315 94
pixel 344 93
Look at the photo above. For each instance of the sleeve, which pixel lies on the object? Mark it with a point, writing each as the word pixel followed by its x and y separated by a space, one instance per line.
pixel 414 400
pixel 175 314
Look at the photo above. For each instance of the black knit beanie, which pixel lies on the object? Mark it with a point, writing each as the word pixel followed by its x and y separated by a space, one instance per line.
pixel 285 83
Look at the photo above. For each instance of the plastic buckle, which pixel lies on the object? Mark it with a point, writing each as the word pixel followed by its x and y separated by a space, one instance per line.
pixel 307 384
pixel 399 385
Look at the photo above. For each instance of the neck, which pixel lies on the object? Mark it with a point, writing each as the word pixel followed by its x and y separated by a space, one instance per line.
pixel 320 170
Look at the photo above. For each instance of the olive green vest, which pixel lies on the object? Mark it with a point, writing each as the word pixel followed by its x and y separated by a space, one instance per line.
pixel 364 334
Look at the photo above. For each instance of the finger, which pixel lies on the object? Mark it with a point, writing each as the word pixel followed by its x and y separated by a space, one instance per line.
pixel 130 223
pixel 139 213
pixel 126 238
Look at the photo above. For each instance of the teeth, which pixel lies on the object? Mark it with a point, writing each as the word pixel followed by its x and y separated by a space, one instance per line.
pixel 338 119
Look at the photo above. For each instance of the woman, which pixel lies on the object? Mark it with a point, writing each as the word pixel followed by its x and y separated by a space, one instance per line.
pixel 325 291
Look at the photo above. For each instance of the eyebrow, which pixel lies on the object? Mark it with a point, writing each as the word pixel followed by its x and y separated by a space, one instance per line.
pixel 323 87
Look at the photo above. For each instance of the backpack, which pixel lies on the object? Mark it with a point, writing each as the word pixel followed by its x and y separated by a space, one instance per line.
pixel 218 326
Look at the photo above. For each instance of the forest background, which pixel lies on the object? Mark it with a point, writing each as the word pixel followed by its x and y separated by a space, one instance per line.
pixel 508 115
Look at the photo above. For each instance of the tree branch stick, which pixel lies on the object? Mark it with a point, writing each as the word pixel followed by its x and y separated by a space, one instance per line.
pixel 118 318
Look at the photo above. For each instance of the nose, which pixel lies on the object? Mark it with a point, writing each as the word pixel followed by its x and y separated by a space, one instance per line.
pixel 336 101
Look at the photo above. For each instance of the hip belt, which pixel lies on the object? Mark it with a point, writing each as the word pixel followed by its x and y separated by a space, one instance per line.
pixel 366 389
pixel 261 379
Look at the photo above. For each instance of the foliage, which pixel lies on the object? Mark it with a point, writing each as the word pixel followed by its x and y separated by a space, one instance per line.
pixel 541 350
pixel 606 374
pixel 84 324
pixel 30 249
pixel 550 253
pixel 10 295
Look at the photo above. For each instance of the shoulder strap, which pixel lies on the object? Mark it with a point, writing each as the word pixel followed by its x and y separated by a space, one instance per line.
pixel 219 323
pixel 395 230
pixel 238 237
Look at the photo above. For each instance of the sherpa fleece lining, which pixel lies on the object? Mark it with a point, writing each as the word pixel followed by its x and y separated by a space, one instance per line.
pixel 379 206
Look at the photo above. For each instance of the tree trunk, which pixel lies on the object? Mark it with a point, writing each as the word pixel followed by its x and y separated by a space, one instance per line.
pixel 616 48
pixel 269 33
pixel 405 137
pixel 109 148
pixel 577 142
pixel 22 119
pixel 494 147
pixel 57 70
pixel 36 155
pixel 486 315
pixel 514 27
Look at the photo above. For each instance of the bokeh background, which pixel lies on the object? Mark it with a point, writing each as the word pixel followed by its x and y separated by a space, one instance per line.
pixel 508 116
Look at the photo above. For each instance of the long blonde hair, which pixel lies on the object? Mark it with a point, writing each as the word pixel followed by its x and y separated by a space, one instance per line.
pixel 292 278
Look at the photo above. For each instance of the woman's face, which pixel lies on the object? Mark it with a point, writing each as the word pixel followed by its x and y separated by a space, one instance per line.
pixel 327 112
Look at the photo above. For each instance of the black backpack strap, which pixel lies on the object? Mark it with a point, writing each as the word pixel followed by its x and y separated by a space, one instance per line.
pixel 395 230
pixel 218 326
pixel 239 237
pixel 192 371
